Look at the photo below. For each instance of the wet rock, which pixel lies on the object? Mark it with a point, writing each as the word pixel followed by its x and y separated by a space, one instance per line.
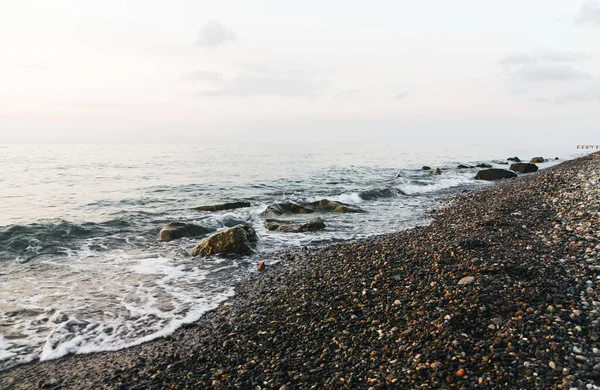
pixel 483 165
pixel 462 166
pixel 436 171
pixel 325 205
pixel 514 159
pixel 240 240
pixel 494 174
pixel 174 230
pixel 261 266
pixel 426 168
pixel 294 227
pixel 378 193
pixel 523 167
pixel 223 206
pixel 286 208
pixel 537 160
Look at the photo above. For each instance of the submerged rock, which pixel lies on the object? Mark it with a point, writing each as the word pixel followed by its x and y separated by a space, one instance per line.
pixel 334 207
pixel 537 160
pixel 523 167
pixel 426 168
pixel 223 206
pixel 437 171
pixel 494 174
pixel 174 230
pixel 514 159
pixel 463 166
pixel 377 193
pixel 240 240
pixel 278 209
pixel 483 165
pixel 294 227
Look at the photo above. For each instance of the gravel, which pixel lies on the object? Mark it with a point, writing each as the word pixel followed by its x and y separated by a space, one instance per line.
pixel 501 290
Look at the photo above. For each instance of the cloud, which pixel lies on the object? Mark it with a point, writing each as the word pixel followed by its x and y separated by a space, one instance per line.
pixel 265 81
pixel 203 75
pixel 589 13
pixel 402 95
pixel 586 95
pixel 544 72
pixel 213 34
pixel 544 55
pixel 347 93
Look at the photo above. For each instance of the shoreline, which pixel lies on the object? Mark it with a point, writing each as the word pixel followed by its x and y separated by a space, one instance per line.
pixel 390 311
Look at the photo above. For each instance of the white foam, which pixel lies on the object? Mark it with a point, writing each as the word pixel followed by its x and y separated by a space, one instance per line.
pixel 349 197
pixel 436 184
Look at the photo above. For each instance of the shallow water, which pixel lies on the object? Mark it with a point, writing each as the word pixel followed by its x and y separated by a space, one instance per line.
pixel 81 269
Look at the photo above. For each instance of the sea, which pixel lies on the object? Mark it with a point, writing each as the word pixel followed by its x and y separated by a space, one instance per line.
pixel 81 269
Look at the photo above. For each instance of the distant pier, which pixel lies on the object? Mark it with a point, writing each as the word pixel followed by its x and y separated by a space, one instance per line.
pixel 588 146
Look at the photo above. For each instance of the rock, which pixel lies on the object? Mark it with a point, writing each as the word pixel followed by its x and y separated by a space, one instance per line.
pixel 556 158
pixel 466 280
pixel 483 165
pixel 462 166
pixel 537 160
pixel 377 193
pixel 261 266
pixel 461 372
pixel 494 174
pixel 334 207
pixel 278 209
pixel 523 167
pixel 174 230
pixel 240 239
pixel 426 168
pixel 223 206
pixel 514 159
pixel 437 171
pixel 288 226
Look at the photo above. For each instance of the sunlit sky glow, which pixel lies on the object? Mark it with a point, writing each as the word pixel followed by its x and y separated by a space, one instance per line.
pixel 306 71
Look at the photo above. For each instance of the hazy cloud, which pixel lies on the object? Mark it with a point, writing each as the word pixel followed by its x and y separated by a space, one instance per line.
pixel 544 55
pixel 402 95
pixel 214 34
pixel 543 72
pixel 265 81
pixel 347 93
pixel 203 75
pixel 589 13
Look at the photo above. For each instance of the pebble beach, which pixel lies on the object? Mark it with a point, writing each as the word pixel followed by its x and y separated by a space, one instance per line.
pixel 500 291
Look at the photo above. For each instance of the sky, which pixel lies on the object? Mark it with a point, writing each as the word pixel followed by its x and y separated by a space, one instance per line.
pixel 310 71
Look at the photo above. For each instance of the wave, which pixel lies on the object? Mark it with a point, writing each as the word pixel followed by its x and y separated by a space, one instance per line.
pixel 29 241
pixel 430 185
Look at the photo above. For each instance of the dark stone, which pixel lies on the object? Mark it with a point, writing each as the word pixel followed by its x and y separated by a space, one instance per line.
pixel 556 158
pixel 437 171
pixel 462 166
pixel 223 206
pixel 238 240
pixel 334 207
pixel 426 168
pixel 483 165
pixel 286 208
pixel 537 160
pixel 292 227
pixel 174 230
pixel 494 174
pixel 377 193
pixel 523 167
pixel 514 159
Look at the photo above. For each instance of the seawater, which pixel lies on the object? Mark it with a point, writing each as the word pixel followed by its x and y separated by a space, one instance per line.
pixel 81 269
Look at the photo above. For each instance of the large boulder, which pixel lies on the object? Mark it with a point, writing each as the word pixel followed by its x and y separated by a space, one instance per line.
pixel 523 167
pixel 174 230
pixel 514 159
pixel 223 206
pixel 494 174
pixel 238 240
pixel 537 160
pixel 294 227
